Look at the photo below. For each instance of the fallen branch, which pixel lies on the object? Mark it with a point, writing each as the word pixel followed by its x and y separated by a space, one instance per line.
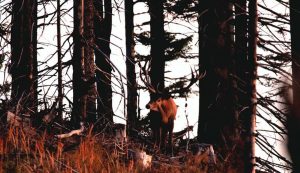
pixel 73 132
pixel 181 133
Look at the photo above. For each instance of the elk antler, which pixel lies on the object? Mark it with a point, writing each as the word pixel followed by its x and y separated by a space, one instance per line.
pixel 195 77
pixel 146 79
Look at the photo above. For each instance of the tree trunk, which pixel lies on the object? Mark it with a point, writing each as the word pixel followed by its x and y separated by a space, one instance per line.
pixel 209 83
pixel 84 89
pixel 130 66
pixel 23 59
pixel 251 88
pixel 157 71
pixel 241 41
pixel 293 120
pixel 79 97
pixel 37 120
pixel 89 62
pixel 103 24
pixel 59 64
pixel 241 58
pixel 218 117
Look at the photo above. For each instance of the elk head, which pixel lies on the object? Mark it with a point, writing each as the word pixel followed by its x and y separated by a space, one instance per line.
pixel 165 106
pixel 154 104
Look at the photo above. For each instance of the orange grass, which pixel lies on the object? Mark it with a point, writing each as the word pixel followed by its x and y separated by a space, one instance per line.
pixel 23 152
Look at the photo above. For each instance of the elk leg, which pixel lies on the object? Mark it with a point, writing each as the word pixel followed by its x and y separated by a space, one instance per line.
pixel 163 136
pixel 170 140
pixel 156 137
pixel 155 121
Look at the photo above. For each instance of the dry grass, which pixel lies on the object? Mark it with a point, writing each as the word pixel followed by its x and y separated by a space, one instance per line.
pixel 21 151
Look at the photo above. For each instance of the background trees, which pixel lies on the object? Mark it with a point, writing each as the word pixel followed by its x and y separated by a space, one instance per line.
pixel 23 56
pixel 226 53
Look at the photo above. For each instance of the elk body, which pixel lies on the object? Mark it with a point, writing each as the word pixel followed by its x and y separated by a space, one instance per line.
pixel 162 115
pixel 163 108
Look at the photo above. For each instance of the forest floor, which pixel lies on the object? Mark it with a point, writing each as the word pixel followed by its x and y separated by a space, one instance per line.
pixel 30 150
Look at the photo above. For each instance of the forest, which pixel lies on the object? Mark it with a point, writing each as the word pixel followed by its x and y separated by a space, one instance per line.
pixel 208 86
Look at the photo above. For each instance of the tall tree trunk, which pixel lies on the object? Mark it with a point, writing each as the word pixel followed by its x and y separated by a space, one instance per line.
pixel 130 66
pixel 79 97
pixel 205 97
pixel 218 117
pixel 103 24
pixel 84 87
pixel 251 87
pixel 157 71
pixel 37 120
pixel 293 120
pixel 89 61
pixel 241 41
pixel 241 58
pixel 59 64
pixel 23 46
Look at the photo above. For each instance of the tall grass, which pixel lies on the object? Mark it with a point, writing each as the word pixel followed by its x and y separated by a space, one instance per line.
pixel 24 152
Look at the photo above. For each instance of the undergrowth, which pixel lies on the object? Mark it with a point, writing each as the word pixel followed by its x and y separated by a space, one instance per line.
pixel 28 151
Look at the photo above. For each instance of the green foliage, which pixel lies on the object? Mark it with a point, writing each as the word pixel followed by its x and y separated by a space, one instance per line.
pixel 182 8
pixel 174 47
pixel 2 33
pixel 144 38
pixel 5 88
pixel 177 48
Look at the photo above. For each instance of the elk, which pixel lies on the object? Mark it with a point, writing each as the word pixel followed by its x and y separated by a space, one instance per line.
pixel 163 108
pixel 162 115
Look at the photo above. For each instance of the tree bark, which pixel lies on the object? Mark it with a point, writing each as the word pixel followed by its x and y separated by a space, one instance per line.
pixel 79 97
pixel 84 88
pixel 89 61
pixel 241 58
pixel 36 121
pixel 251 87
pixel 241 41
pixel 59 64
pixel 130 66
pixel 293 120
pixel 157 53
pixel 218 117
pixel 23 59
pixel 103 24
